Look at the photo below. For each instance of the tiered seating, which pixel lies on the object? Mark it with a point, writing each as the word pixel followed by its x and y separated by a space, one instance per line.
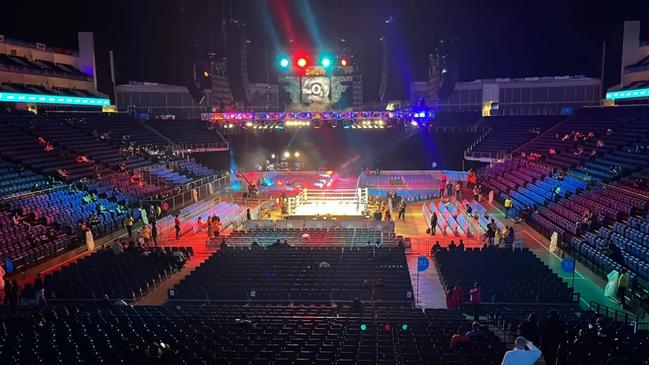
pixel 317 236
pixel 599 168
pixel 21 146
pixel 25 244
pixel 453 218
pixel 631 241
pixel 482 220
pixel 293 273
pixel 400 180
pixel 504 275
pixel 528 184
pixel 16 181
pixel 169 176
pixel 187 131
pixel 78 142
pixel 243 335
pixel 66 209
pixel 576 325
pixel 409 186
pixel 193 168
pixel 21 64
pixel 510 132
pixel 122 188
pixel 627 125
pixel 123 128
pixel 102 274
pixel 608 203
pixel 228 213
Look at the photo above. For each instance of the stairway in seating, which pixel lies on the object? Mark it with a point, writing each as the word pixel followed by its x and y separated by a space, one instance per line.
pixel 146 126
pixel 159 295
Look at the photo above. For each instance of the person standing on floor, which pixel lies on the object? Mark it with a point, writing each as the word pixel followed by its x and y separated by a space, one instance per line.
pixel 145 234
pixel 128 223
pixel 388 215
pixel 154 234
pixel 177 226
pixel 89 238
pixel 475 297
pixel 551 336
pixel 508 206
pixel 39 290
pixel 216 226
pixel 458 191
pixel 622 285
pixel 402 211
pixel 451 302
pixel 210 227
pixel 433 223
pixel 458 294
pixel 529 328
pixel 449 189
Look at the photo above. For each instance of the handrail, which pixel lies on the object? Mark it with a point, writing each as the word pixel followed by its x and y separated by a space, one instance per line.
pixel 199 146
pixel 490 155
pixel 477 141
pixel 618 315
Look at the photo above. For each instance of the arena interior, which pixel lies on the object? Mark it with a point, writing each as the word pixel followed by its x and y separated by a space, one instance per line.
pixel 283 200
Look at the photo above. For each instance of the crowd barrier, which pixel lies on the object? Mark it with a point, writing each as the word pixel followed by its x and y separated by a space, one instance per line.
pixel 384 227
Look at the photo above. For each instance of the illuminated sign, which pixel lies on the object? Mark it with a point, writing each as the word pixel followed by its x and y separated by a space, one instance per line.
pixel 316 90
pixel 52 99
pixel 628 94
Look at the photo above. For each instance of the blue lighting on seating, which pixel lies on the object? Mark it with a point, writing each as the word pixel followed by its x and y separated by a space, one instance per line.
pixel 628 94
pixel 52 99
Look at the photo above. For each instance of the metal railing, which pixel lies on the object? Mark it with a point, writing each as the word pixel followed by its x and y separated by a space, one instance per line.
pixel 204 188
pixel 499 155
pixel 201 147
pixel 616 315
pixel 477 141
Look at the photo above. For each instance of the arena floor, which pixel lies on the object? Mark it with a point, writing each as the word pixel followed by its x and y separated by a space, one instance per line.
pixel 429 294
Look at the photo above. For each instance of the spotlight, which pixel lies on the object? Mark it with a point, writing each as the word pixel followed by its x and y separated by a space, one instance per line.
pixel 301 62
pixel 343 62
pixel 326 62
pixel 273 156
pixel 414 123
pixel 297 154
pixel 287 154
pixel 283 62
pixel 206 73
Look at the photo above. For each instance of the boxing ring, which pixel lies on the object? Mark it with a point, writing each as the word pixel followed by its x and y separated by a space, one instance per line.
pixel 333 202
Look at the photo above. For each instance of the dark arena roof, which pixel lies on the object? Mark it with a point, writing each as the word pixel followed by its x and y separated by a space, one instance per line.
pixel 324 182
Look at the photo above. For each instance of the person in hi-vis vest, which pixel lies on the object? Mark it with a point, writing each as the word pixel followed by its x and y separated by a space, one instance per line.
pixel 508 206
